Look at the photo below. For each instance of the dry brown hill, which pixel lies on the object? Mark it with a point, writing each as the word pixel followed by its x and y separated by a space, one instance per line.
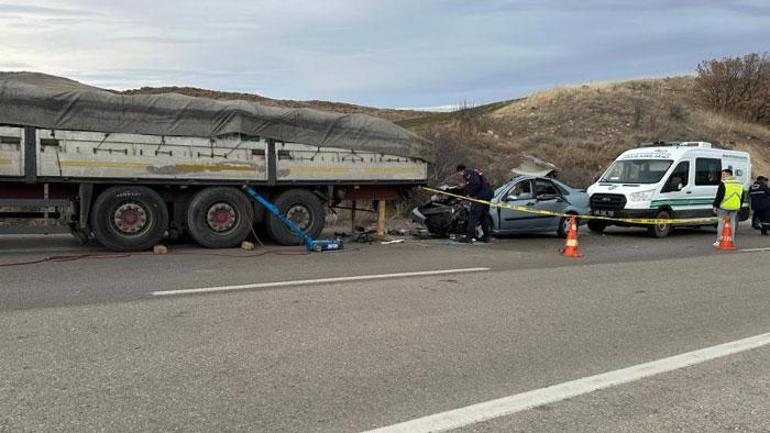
pixel 583 128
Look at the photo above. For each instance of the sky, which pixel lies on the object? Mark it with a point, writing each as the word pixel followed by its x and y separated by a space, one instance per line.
pixel 386 53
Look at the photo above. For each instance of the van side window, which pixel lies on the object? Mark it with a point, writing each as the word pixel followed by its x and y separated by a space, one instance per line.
pixel 708 171
pixel 680 175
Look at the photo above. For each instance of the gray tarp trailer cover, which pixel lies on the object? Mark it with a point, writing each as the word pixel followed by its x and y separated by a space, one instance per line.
pixel 45 101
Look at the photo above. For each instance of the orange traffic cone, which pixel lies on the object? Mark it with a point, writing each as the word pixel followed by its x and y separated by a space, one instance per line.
pixel 571 246
pixel 726 238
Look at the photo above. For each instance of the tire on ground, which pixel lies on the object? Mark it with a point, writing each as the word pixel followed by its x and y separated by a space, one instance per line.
pixel 301 206
pixel 563 228
pixel 219 217
pixel 660 230
pixel 129 218
pixel 597 226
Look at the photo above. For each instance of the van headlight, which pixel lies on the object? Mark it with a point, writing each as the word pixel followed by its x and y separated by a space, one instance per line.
pixel 641 195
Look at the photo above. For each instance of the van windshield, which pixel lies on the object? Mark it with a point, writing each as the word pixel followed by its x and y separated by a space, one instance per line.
pixel 637 171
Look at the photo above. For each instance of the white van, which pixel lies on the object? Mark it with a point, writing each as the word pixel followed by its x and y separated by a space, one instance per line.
pixel 675 180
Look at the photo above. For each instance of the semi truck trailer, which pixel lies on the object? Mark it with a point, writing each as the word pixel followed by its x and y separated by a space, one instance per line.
pixel 130 171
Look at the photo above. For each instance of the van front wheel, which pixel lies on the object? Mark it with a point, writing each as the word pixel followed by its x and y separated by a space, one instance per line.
pixel 597 226
pixel 660 230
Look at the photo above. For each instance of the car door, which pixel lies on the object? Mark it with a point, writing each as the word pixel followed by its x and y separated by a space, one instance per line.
pixel 548 198
pixel 518 194
pixel 677 191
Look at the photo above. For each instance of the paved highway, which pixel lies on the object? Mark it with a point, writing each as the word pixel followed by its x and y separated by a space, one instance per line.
pixel 90 345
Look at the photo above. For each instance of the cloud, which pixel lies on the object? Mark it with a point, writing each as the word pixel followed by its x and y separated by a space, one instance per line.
pixel 15 65
pixel 29 9
pixel 156 40
pixel 395 53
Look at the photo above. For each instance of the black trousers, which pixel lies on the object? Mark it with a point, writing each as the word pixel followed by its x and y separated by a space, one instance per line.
pixel 763 215
pixel 479 214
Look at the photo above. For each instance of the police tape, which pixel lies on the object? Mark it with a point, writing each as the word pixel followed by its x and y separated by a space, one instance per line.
pixel 568 215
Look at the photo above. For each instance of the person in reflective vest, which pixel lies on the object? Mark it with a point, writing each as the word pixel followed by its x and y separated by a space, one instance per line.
pixel 728 201
pixel 759 194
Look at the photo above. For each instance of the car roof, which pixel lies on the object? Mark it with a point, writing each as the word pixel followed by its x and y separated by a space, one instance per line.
pixel 530 177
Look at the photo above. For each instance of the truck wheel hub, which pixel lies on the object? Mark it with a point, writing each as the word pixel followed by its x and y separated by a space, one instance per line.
pixel 300 215
pixel 130 218
pixel 221 217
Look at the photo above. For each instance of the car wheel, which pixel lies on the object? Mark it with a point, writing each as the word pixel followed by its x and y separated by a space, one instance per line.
pixel 564 226
pixel 663 229
pixel 597 226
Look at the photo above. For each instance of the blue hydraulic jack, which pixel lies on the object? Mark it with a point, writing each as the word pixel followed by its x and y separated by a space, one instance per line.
pixel 310 243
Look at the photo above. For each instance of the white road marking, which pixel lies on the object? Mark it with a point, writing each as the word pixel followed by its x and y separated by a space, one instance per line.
pixel 317 281
pixel 753 250
pixel 516 403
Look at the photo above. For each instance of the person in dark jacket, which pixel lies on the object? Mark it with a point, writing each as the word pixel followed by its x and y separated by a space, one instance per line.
pixel 477 186
pixel 759 194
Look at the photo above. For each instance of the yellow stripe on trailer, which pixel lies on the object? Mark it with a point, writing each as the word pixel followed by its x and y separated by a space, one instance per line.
pixel 318 170
pixel 393 170
pixel 177 167
pixel 210 167
pixel 103 164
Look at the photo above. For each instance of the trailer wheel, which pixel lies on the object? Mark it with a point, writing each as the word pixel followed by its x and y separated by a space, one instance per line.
pixel 129 218
pixel 301 206
pixel 219 217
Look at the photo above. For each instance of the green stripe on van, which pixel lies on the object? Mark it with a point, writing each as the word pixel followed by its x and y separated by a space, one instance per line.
pixel 695 201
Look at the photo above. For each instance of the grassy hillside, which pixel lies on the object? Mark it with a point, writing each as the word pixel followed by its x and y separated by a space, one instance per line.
pixel 581 129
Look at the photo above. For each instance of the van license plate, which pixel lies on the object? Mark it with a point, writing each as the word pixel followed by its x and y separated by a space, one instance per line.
pixel 607 213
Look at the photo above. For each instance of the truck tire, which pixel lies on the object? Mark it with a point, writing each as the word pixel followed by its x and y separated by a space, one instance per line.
pixel 660 230
pixel 219 217
pixel 301 206
pixel 597 227
pixel 129 218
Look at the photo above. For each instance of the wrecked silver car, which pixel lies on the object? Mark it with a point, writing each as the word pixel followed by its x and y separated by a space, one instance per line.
pixel 444 215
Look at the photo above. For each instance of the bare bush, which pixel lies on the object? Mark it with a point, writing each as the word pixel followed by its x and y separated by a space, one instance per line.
pixel 737 85
pixel 450 148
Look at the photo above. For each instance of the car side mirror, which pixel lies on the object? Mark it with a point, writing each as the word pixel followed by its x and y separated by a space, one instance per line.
pixel 512 197
pixel 679 186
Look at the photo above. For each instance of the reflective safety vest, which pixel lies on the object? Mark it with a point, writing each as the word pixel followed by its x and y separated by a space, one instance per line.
pixel 733 194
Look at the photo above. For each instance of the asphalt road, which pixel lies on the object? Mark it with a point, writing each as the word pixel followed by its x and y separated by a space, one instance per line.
pixel 87 347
